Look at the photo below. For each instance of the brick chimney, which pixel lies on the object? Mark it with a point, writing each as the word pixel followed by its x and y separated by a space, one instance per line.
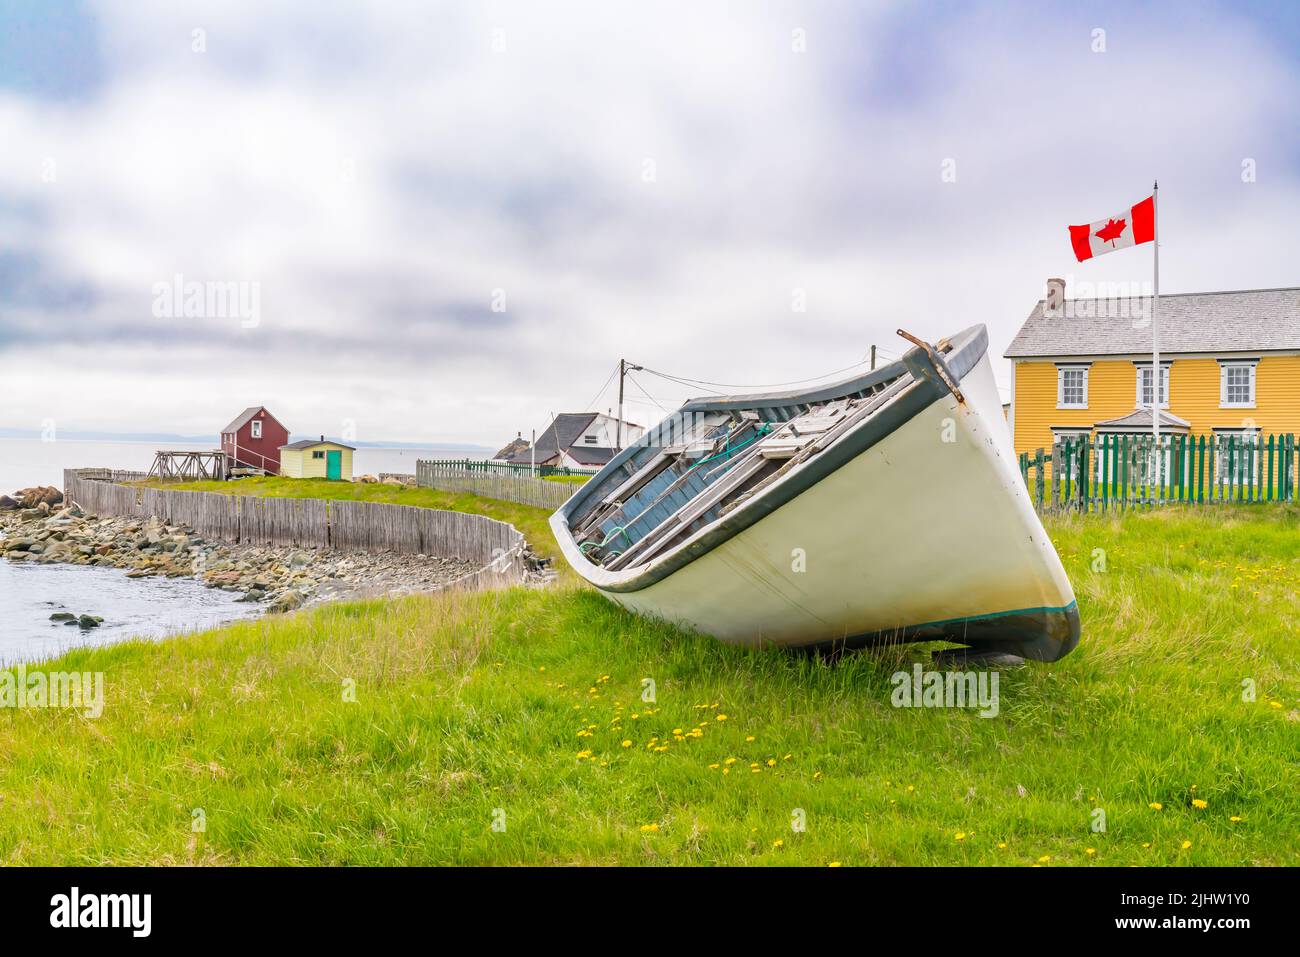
pixel 1055 302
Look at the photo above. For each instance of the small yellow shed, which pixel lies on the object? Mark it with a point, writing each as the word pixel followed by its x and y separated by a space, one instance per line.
pixel 316 459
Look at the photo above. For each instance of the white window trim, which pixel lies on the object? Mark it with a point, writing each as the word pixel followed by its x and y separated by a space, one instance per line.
pixel 257 429
pixel 1223 385
pixel 1164 382
pixel 1060 386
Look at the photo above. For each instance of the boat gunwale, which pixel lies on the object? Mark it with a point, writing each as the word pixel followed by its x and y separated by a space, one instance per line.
pixel 968 347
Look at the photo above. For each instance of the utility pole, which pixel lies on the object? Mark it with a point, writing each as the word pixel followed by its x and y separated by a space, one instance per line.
pixel 873 358
pixel 623 368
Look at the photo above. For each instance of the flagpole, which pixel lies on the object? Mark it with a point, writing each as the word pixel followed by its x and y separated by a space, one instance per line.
pixel 1155 326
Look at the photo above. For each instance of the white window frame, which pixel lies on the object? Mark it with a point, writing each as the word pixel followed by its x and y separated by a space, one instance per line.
pixel 1061 370
pixel 257 429
pixel 1140 398
pixel 1224 368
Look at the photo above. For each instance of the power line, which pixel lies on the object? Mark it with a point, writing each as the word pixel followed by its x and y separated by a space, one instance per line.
pixel 733 385
pixel 632 379
pixel 602 389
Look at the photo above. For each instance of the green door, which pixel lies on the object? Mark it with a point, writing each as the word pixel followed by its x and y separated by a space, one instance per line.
pixel 333 464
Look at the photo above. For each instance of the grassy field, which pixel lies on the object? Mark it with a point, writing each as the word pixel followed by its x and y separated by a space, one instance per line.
pixel 525 708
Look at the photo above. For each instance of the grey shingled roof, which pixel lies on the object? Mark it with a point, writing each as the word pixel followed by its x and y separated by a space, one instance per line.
pixel 590 455
pixel 239 420
pixel 559 435
pixel 311 443
pixel 1249 320
pixel 1141 419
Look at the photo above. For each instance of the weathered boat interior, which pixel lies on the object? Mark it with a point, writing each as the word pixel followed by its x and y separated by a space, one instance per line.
pixel 713 457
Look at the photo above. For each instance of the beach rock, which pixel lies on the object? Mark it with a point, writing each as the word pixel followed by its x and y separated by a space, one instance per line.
pixel 89 621
pixel 287 601
pixel 8 504
pixel 63 616
pixel 38 495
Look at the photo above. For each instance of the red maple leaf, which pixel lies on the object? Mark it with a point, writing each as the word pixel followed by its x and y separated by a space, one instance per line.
pixel 1112 231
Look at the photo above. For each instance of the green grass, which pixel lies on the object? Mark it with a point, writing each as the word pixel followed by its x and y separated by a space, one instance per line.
pixel 466 704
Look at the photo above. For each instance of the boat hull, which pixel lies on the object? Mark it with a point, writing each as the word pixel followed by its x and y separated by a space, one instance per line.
pixel 928 534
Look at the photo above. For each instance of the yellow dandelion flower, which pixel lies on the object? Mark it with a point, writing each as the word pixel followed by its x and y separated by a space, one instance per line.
pixel 817 775
pixel 1234 819
pixel 1156 806
pixel 729 761
pixel 679 730
pixel 1090 851
pixel 626 743
pixel 649 827
pixel 833 864
pixel 960 836
pixel 787 757
pixel 583 754
pixel 1186 845
pixel 749 738
pixel 910 787
pixel 713 767
pixel 1002 845
pixel 723 717
pixel 755 770
pixel 778 843
pixel 1198 803
pixel 771 762
pixel 1147 844
pixel 1045 858
pixel 1275 704
pixel 726 770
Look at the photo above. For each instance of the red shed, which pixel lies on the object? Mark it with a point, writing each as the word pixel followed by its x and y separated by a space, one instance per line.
pixel 253 440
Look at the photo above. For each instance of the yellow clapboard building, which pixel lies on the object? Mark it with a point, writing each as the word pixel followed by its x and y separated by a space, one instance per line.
pixel 1230 367
pixel 316 459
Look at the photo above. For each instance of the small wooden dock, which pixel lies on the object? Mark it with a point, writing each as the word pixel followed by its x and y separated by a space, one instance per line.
pixel 172 466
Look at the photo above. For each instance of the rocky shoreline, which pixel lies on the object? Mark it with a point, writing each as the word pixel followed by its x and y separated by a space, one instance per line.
pixel 280 577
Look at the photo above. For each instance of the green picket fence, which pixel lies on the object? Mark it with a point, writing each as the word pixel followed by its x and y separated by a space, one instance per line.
pixel 1116 471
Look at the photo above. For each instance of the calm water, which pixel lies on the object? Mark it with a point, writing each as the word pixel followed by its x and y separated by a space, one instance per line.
pixel 130 607
pixel 26 462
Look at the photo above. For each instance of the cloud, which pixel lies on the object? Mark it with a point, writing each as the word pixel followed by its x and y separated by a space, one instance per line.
pixel 659 182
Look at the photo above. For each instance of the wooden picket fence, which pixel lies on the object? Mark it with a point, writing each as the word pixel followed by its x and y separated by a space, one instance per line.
pixel 1084 473
pixel 457 467
pixel 311 523
pixel 511 486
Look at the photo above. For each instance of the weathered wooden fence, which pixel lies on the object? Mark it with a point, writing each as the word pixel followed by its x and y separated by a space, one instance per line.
pixel 522 487
pixel 311 523
pixel 1084 473
pixel 484 467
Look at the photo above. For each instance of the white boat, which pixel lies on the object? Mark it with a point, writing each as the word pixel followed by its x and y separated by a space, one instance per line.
pixel 886 507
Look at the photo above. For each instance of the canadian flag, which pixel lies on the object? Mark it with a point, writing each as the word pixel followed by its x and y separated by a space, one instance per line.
pixel 1133 226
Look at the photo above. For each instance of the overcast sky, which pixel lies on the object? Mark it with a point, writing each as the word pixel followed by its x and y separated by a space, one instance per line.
pixel 457 217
